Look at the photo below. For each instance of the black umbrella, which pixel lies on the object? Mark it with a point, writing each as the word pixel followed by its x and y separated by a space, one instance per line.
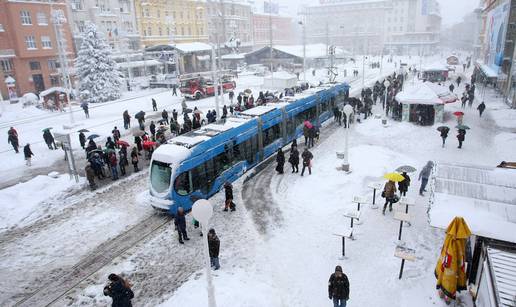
pixel 406 168
pixel 93 136
pixel 139 115
pixel 84 130
pixel 443 128
pixel 162 121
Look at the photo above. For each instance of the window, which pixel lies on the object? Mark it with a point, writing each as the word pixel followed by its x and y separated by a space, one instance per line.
pixel 42 19
pixel 182 184
pixel 35 65
pixel 271 134
pixel 53 64
pixel 200 179
pixel 7 65
pixel 25 18
pixel 30 42
pixel 160 176
pixel 54 81
pixel 77 5
pixel 46 43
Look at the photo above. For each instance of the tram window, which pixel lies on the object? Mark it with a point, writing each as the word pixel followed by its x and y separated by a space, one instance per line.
pixel 238 155
pixel 200 178
pixel 211 173
pixel 251 148
pixel 182 184
pixel 271 134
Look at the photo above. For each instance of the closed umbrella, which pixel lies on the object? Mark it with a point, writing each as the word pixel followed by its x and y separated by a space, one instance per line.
pixel 394 177
pixel 93 136
pixel 450 270
pixel 406 168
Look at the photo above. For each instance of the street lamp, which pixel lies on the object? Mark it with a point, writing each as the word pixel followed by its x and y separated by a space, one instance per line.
pixel 202 211
pixel 304 49
pixel 348 110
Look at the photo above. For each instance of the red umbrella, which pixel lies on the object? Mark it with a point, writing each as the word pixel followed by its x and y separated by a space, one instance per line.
pixel 122 143
pixel 458 113
pixel 148 144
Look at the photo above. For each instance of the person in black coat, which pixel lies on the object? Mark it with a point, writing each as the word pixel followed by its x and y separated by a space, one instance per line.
pixel 28 154
pixel 180 222
pixel 307 161
pixel 481 108
pixel 174 115
pixel 214 247
pixel 119 290
pixel 164 115
pixel 127 119
pixel 152 129
pixel 109 143
pixel 12 138
pixel 228 190
pixel 404 184
pixel 82 139
pixel 280 159
pixel 338 287
pixel 294 159
pixel 154 105
pixel 461 136
pixel 138 142
pixel 49 139
pixel 444 135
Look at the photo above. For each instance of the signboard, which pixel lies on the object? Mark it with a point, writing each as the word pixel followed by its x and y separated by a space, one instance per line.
pixel 496 29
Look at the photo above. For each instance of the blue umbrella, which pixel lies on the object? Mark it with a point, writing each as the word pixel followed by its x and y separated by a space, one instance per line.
pixel 93 136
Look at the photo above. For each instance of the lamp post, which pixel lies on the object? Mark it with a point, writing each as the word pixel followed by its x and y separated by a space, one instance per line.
pixel 304 49
pixel 202 211
pixel 348 110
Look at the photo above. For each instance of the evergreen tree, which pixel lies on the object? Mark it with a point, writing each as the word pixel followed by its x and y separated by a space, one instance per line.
pixel 99 79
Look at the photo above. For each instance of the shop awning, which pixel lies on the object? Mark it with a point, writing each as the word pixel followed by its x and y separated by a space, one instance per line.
pixel 426 93
pixel 486 70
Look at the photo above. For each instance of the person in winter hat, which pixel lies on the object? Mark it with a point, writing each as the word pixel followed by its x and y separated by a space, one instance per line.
pixel 424 175
pixel 119 290
pixel 338 288
pixel 214 247
pixel 389 193
pixel 180 223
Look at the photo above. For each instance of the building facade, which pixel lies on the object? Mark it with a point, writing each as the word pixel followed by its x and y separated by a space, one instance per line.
pixel 229 21
pixel 375 26
pixel 282 30
pixel 114 18
pixel 162 22
pixel 28 45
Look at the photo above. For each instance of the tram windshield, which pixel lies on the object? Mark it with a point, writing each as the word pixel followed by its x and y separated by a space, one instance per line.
pixel 160 176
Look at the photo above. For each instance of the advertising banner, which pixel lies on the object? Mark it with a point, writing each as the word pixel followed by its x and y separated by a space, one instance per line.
pixel 496 29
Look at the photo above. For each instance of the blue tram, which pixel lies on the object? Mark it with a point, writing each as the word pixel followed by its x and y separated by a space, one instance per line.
pixel 196 165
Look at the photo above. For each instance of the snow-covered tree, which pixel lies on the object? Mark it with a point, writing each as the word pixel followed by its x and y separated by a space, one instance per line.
pixel 99 79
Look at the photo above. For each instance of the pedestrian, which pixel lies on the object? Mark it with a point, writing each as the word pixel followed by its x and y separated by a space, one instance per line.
pixel 109 143
pixel 228 191
pixel 231 96
pixel 231 110
pixel 184 106
pixel 214 248
pixel 164 115
pixel 12 138
pixel 122 161
pixel 154 105
pixel 113 164
pixel 463 100
pixel 134 159
pixel 174 115
pixel 389 192
pixel 28 154
pixel 152 129
pixel 481 108
pixel 180 223
pixel 461 136
pixel 459 79
pixel 90 176
pixel 306 133
pixel 424 175
pixel 224 112
pixel 280 159
pixel 116 135
pixel 451 87
pixel 404 184
pixel 49 139
pixel 312 134
pixel 138 142
pixel 119 290
pixel 294 159
pixel 82 139
pixel 338 288
pixel 86 110
pixel 307 161
pixel 127 120
pixel 444 135
pixel 174 89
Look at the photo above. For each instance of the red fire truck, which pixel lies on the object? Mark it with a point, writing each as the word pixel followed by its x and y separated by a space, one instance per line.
pixel 197 87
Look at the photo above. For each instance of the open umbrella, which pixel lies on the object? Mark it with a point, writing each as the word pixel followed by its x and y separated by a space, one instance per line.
pixel 84 130
pixel 462 127
pixel 162 121
pixel 109 150
pixel 96 151
pixel 46 129
pixel 93 136
pixel 443 128
pixel 394 177
pixel 148 144
pixel 406 168
pixel 458 113
pixel 137 132
pixel 122 143
pixel 450 270
pixel 139 115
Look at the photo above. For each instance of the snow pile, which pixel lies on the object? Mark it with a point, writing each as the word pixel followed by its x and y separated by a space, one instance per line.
pixel 99 79
pixel 20 201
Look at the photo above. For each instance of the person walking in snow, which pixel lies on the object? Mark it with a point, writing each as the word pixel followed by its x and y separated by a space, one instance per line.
pixel 389 192
pixel 481 108
pixel 122 161
pixel 119 290
pixel 307 161
pixel 127 120
pixel 404 184
pixel 461 136
pixel 214 248
pixel 134 159
pixel 180 223
pixel 174 115
pixel 86 110
pixel 338 288
pixel 28 154
pixel 228 192
pixel 49 139
pixel 280 159
pixel 109 143
pixel 451 87
pixel 459 79
pixel 164 115
pixel 113 164
pixel 90 176
pixel 154 105
pixel 116 135
pixel 12 138
pixel 294 159
pixel 174 90
pixel 444 135
pixel 463 100
pixel 152 128
pixel 424 175
pixel 82 139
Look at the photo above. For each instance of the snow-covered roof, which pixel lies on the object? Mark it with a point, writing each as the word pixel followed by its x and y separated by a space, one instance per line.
pixel 192 47
pixel 259 110
pixel 312 50
pixel 425 93
pixel 144 63
pixel 53 90
pixel 189 140
pixel 171 153
pixel 282 75
pixel 491 73
pixel 234 56
pixel 435 67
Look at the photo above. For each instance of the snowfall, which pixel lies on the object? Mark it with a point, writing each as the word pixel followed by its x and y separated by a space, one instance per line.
pixel 280 246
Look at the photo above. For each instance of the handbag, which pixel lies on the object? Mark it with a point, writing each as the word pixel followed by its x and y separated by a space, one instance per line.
pixel 395 199
pixel 383 194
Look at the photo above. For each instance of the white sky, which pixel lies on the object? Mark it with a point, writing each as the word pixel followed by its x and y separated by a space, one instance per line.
pixel 452 11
